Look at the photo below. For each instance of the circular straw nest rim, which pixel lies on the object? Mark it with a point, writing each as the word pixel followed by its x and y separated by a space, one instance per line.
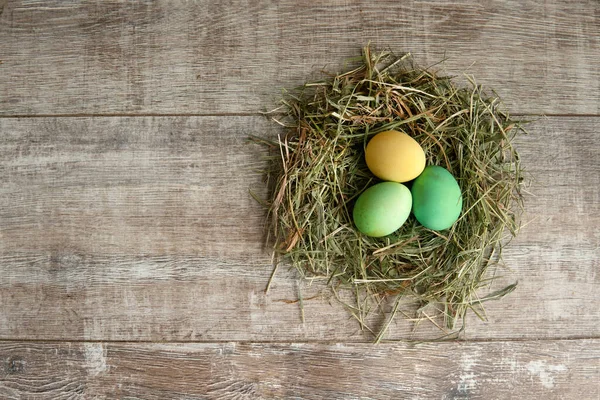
pixel 317 170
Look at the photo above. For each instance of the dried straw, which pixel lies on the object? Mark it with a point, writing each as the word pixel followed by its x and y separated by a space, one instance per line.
pixel 318 170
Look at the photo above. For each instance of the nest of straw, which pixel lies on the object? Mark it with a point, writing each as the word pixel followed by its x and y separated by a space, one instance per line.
pixel 317 170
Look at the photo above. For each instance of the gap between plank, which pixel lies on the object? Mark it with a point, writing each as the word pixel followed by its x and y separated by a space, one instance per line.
pixel 310 342
pixel 248 114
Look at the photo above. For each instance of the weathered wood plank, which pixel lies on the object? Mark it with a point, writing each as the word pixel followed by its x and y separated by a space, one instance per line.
pixel 131 186
pixel 499 370
pixel 141 228
pixel 204 58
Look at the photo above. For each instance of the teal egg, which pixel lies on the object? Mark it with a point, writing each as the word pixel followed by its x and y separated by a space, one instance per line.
pixel 436 197
pixel 382 209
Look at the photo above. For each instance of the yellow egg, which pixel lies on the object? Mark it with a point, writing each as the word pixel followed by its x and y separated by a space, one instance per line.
pixel 395 156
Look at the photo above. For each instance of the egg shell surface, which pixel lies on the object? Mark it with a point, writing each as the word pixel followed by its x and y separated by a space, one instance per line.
pixel 394 156
pixel 382 209
pixel 437 199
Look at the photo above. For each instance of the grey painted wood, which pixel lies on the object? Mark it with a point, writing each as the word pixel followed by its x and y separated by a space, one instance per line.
pixel 99 57
pixel 142 228
pixel 451 371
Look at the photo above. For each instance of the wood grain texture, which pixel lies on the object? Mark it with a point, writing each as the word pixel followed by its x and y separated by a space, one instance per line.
pixel 98 57
pixel 142 228
pixel 450 371
pixel 143 186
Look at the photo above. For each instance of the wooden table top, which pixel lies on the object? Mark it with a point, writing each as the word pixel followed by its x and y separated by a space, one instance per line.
pixel 131 255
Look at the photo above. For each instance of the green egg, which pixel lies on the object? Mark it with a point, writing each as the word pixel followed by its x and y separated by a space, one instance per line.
pixel 382 209
pixel 436 197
